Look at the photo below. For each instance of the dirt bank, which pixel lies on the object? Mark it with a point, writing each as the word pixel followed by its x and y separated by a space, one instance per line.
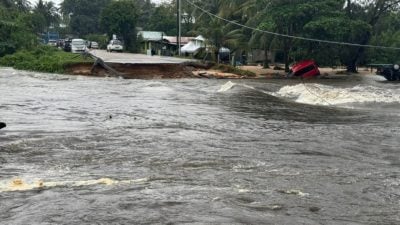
pixel 162 71
pixel 132 71
pixel 152 71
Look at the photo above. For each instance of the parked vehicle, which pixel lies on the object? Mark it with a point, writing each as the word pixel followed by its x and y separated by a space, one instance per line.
pixel 115 45
pixel 390 71
pixel 52 43
pixel 305 69
pixel 60 43
pixel 78 46
pixel 67 45
pixel 93 45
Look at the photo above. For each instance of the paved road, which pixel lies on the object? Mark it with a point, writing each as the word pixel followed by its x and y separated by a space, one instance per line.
pixel 136 58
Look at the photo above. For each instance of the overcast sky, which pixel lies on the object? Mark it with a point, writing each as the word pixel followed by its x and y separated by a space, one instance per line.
pixel 59 1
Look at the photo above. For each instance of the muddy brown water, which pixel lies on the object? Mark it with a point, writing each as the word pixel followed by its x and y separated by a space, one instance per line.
pixel 81 150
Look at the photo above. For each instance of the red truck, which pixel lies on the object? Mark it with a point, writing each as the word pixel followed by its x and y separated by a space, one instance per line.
pixel 304 69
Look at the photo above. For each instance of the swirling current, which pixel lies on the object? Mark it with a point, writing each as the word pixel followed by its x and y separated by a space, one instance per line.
pixel 82 150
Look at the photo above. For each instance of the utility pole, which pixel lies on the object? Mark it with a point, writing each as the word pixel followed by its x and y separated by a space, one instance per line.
pixel 179 21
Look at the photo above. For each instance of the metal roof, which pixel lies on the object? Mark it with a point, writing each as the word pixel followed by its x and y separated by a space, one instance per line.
pixel 172 39
pixel 151 35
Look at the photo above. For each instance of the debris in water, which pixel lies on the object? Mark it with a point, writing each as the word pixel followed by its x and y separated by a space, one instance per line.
pixel 229 85
pixel 293 192
pixel 17 182
pixel 314 209
pixel 276 207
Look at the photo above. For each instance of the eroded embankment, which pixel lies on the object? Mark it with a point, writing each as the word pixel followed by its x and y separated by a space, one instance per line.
pixel 158 71
pixel 133 71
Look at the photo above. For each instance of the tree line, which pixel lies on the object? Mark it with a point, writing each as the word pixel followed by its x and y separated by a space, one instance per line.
pixel 364 22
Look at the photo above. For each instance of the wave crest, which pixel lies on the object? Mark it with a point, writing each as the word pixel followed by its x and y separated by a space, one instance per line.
pixel 318 94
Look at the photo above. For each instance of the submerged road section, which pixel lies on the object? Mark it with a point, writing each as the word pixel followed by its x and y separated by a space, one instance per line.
pixel 129 58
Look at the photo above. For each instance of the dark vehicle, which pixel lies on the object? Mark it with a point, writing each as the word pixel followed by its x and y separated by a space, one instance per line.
pixel 67 45
pixel 304 69
pixel 390 71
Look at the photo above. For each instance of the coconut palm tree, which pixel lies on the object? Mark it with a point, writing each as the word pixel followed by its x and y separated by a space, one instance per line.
pixel 259 18
pixel 219 32
pixel 20 5
pixel 49 11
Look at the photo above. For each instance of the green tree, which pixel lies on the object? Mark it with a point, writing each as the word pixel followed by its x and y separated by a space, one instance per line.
pixel 7 46
pixel 49 12
pixel 14 34
pixel 371 12
pixel 218 32
pixel 352 21
pixel 83 15
pixel 120 18
pixel 386 33
pixel 22 5
pixel 146 12
pixel 163 19
pixel 260 19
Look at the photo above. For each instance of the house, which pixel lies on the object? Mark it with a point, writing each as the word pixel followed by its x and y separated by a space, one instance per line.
pixel 172 40
pixel 172 43
pixel 151 41
pixel 193 46
pixel 198 48
pixel 159 43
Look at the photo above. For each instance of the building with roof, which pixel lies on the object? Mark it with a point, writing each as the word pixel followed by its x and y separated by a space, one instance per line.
pixel 156 42
pixel 150 41
pixel 194 45
pixel 172 40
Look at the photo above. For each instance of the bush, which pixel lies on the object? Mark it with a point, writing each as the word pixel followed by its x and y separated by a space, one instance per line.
pixel 43 59
pixel 6 48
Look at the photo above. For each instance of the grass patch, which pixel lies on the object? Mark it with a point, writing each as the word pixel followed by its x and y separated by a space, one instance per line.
pixel 234 70
pixel 42 59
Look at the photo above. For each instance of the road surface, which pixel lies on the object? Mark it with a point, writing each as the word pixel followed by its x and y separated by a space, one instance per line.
pixel 129 58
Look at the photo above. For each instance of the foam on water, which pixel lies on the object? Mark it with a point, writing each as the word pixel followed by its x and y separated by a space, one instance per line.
pixel 18 184
pixel 318 94
pixel 229 85
pixel 226 87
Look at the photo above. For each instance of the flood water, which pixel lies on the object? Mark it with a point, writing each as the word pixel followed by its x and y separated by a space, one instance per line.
pixel 81 150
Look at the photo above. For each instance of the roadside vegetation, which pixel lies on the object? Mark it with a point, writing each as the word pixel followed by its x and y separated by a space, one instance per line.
pixel 42 59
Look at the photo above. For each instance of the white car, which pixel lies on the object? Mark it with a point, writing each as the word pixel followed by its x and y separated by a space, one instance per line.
pixel 78 46
pixel 94 45
pixel 52 43
pixel 115 45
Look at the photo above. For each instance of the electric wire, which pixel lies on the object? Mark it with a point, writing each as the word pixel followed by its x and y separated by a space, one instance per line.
pixel 315 94
pixel 294 37
pixel 290 36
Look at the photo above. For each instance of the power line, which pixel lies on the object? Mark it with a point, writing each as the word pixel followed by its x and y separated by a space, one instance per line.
pixel 315 94
pixel 290 36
